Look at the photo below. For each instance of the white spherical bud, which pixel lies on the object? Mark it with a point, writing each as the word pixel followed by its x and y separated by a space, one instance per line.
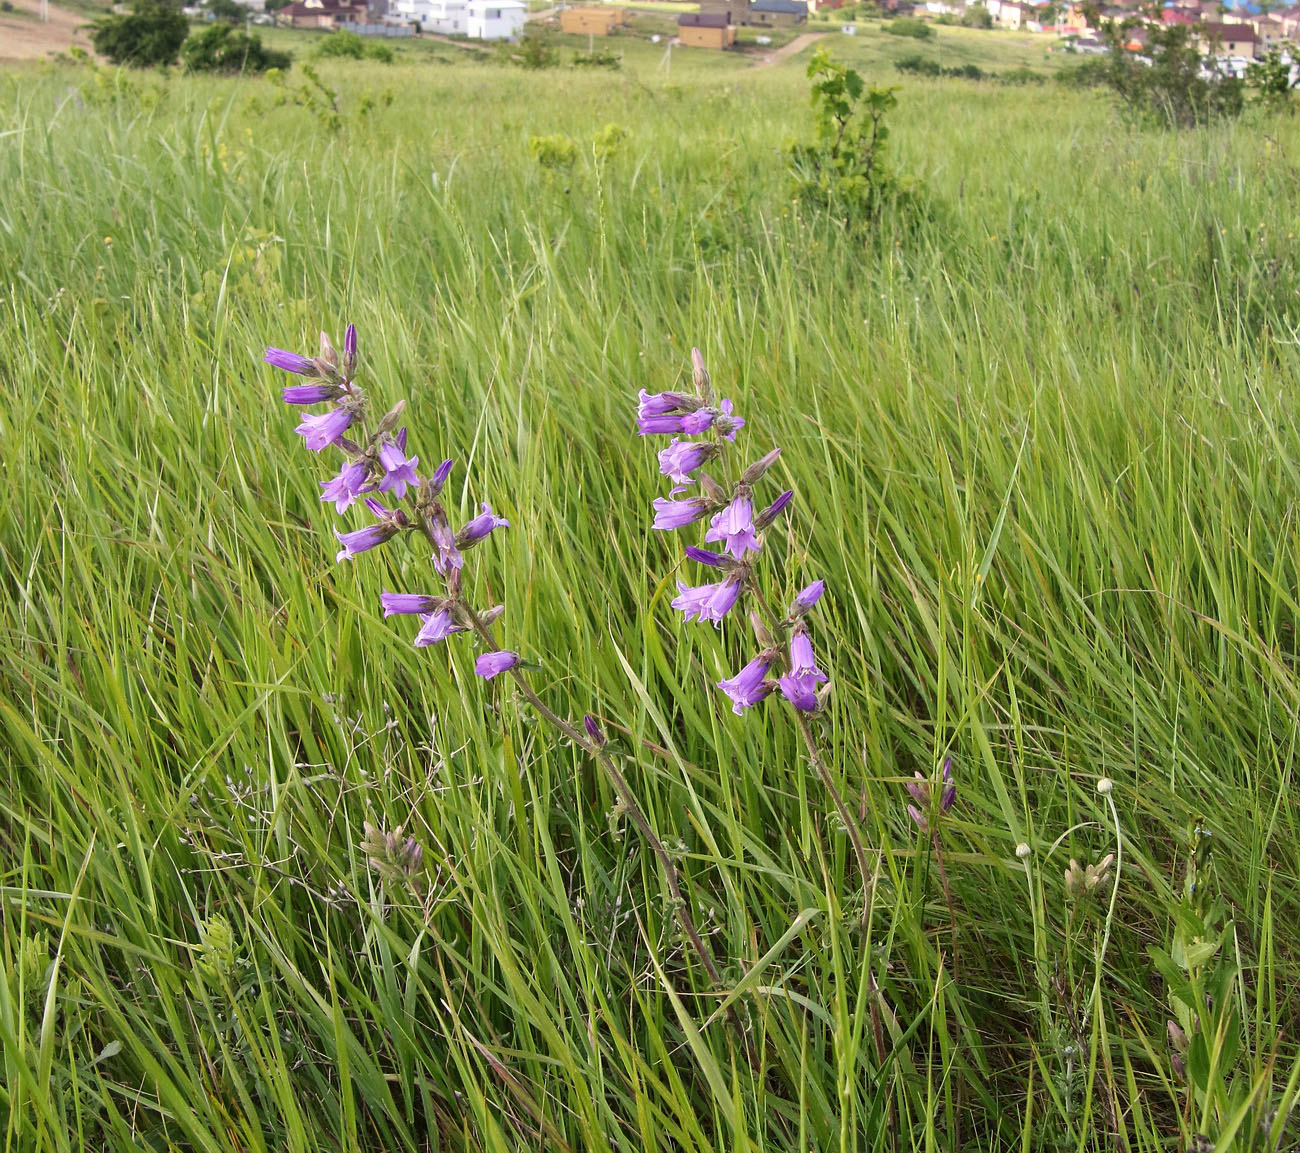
pixel 1104 786
pixel 1023 850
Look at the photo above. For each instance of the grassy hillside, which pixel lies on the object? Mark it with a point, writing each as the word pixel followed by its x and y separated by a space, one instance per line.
pixel 1044 454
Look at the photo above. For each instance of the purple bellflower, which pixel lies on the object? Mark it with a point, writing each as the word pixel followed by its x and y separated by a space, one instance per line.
pixel 350 483
pixel 292 362
pixel 446 555
pixel 479 527
pixel 399 470
pixel 725 424
pixel 384 529
pixel 709 602
pixel 309 393
pixel 799 685
pixel 712 559
pixel 320 430
pixel 393 603
pixel 734 526
pixel 683 457
pixel 437 627
pixel 659 403
pixel 696 423
pixel 774 510
pixel 748 686
pixel 489 665
pixel 807 598
pixel 671 514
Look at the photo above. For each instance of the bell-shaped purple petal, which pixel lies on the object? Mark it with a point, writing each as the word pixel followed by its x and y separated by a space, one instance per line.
pixel 800 692
pixel 709 602
pixel 364 539
pixel 658 424
pixel 734 526
pixel 807 598
pixel 775 509
pixel 320 430
pixel 446 555
pixel 658 403
pixel 480 526
pixel 683 457
pixel 394 603
pixel 489 665
pixel 696 423
pixel 399 471
pixel 749 686
pixel 671 514
pixel 704 556
pixel 291 362
pixel 309 393
pixel 437 626
pixel 350 483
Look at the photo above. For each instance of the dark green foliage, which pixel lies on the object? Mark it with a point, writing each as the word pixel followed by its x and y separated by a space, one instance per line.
pixel 537 49
pixel 149 36
pixel 227 10
pixel 916 29
pixel 1021 76
pixel 1271 79
pixel 598 59
pixel 1091 73
pixel 923 66
pixel 344 45
pixel 222 48
pixel 843 170
pixel 1172 90
pixel 977 17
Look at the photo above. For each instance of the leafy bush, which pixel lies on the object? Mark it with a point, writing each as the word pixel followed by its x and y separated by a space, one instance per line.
pixel 558 151
pixel 1171 90
pixel 977 16
pixel 537 49
pixel 344 45
pixel 227 10
pixel 599 58
pixel 843 170
pixel 916 29
pixel 1271 78
pixel 222 48
pixel 919 65
pixel 149 36
pixel 1091 73
pixel 1021 76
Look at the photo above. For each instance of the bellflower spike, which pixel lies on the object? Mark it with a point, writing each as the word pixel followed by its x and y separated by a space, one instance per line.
pixel 350 483
pixel 734 526
pixel 748 686
pixel 437 627
pixel 709 602
pixel 479 527
pixel 399 470
pixel 320 430
pixel 683 457
pixel 310 393
pixel 490 665
pixel 807 598
pixel 393 603
pixel 291 362
pixel 671 514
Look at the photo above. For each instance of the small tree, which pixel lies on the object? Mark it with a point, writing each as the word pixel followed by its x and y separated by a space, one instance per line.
pixel 1271 78
pixel 221 48
pixel 149 36
pixel 227 10
pixel 1173 89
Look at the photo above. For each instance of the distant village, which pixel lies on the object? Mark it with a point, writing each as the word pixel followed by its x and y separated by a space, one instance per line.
pixel 1236 34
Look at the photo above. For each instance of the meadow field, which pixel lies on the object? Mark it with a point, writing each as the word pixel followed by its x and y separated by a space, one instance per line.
pixel 1042 434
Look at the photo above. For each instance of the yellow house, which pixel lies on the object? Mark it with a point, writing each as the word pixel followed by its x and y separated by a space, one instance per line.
pixel 592 21
pixel 706 30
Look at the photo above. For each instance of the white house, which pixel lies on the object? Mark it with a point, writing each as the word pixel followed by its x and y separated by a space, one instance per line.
pixel 494 19
pixel 445 17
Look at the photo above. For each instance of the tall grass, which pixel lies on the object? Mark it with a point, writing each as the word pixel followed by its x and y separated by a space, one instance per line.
pixel 1046 463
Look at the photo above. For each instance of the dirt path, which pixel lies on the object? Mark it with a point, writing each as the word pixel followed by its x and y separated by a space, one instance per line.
pixel 25 36
pixel 797 45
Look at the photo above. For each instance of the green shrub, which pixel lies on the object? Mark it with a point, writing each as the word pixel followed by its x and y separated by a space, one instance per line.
pixel 1170 90
pixel 558 151
pixel 149 36
pixel 1021 76
pixel 1271 78
pixel 977 16
pixel 222 48
pixel 599 58
pixel 919 65
pixel 342 45
pixel 916 29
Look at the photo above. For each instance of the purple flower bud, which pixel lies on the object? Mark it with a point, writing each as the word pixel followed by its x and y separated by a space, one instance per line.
pixel 399 471
pixel 487 616
pixel 659 403
pixel 659 424
pixel 364 539
pixel 774 510
pixel 683 457
pixel 748 686
pixel 490 665
pixel 350 483
pixel 755 471
pixel 350 352
pixel 437 627
pixel 709 602
pixel 393 603
pixel 704 556
pixel 310 393
pixel 594 732
pixel 699 373
pixel 327 354
pixel 439 478
pixel 807 598
pixel 734 526
pixel 949 795
pixel 671 514
pixel 320 430
pixel 479 527
pixel 291 362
